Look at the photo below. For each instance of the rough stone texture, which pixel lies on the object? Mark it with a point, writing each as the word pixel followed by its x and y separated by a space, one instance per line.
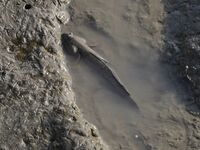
pixel 183 42
pixel 37 104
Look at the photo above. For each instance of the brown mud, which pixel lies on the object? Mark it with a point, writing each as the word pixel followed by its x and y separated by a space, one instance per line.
pixel 135 36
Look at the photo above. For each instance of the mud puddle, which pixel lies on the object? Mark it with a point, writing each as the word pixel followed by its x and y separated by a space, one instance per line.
pixel 127 33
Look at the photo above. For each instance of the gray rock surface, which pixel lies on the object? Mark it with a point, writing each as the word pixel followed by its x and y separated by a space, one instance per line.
pixel 37 104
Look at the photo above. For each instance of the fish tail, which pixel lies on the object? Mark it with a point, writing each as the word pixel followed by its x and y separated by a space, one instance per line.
pixel 131 100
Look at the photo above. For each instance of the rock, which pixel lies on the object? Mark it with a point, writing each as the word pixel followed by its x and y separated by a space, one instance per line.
pixel 36 99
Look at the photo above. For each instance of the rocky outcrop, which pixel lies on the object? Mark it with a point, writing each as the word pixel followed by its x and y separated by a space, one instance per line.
pixel 37 104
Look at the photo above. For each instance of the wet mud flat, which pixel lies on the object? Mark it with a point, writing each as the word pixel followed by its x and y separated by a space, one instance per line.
pixel 150 44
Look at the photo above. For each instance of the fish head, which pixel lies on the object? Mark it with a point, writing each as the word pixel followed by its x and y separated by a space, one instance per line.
pixel 68 45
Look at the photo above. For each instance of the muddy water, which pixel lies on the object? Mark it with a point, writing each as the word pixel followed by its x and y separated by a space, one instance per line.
pixel 128 34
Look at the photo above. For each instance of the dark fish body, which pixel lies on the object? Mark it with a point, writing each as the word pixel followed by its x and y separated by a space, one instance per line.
pixel 102 64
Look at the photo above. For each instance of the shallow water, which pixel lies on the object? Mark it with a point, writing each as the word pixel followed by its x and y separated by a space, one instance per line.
pixel 127 34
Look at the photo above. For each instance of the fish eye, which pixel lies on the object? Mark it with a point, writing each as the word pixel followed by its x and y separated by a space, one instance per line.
pixel 70 34
pixel 28 6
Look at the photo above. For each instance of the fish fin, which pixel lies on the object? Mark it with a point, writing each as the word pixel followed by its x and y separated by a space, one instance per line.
pixel 92 52
pixel 104 60
pixel 80 39
pixel 134 104
pixel 92 46
pixel 78 59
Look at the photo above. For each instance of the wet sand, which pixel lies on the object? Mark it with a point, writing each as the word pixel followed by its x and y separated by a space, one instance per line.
pixel 128 34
